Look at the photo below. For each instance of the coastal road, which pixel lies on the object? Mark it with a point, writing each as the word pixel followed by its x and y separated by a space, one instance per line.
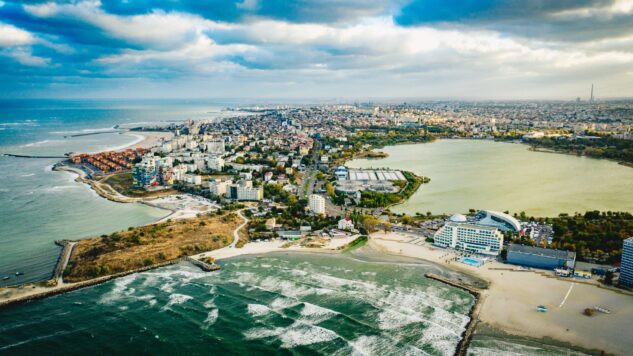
pixel 236 235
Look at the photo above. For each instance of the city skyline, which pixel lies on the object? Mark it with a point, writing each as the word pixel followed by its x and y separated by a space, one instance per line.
pixel 308 49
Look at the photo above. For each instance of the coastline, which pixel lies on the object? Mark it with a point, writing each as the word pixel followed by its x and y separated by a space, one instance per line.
pixel 485 313
pixel 509 303
pixel 573 153
pixel 10 296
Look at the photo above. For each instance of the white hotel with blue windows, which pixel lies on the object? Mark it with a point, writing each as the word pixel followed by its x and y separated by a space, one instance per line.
pixel 482 236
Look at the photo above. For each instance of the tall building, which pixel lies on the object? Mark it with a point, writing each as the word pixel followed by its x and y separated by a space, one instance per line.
pixel 626 268
pixel 462 235
pixel 152 171
pixel 316 204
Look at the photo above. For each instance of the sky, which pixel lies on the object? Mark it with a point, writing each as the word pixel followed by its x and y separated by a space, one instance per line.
pixel 350 49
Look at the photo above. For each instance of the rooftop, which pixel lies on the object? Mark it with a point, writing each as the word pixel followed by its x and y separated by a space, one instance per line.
pixel 538 251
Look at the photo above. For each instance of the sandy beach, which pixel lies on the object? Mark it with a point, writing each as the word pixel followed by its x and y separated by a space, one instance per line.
pixel 145 139
pixel 262 247
pixel 512 297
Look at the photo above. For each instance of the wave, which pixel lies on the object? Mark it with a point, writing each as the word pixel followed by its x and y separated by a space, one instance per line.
pixel 176 298
pixel 74 132
pixel 258 309
pixel 212 317
pixel 39 143
pixel 27 123
pixel 138 139
pixel 297 334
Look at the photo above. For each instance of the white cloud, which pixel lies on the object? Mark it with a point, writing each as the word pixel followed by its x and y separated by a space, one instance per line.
pixel 11 36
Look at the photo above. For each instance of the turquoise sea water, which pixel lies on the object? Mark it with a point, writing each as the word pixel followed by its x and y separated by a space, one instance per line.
pixel 39 206
pixel 278 304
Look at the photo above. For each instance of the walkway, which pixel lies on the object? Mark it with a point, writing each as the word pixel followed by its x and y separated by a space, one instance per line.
pixel 236 235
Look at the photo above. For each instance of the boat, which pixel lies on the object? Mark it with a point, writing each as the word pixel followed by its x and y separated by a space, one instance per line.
pixel 5 278
pixel 19 273
pixel 541 309
pixel 602 310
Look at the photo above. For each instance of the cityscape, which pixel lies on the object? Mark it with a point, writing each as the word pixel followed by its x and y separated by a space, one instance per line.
pixel 330 178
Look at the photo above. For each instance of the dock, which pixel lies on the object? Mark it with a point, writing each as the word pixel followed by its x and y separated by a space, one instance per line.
pixel 462 346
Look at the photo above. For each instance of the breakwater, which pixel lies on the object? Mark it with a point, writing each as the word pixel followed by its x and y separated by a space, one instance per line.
pixel 467 335
pixel 31 156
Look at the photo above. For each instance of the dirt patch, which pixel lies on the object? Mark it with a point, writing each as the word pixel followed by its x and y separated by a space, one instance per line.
pixel 148 245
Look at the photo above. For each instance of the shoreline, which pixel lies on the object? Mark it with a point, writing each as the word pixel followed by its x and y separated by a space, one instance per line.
pixel 509 303
pixel 39 290
pixel 573 153
pixel 484 297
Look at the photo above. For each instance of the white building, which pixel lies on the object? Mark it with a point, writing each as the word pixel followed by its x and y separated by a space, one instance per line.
pixel 215 147
pixel 468 237
pixel 193 179
pixel 316 204
pixel 346 224
pixel 215 163
pixel 250 193
pixel 218 188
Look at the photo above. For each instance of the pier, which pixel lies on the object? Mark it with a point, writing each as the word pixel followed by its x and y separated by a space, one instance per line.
pixel 462 346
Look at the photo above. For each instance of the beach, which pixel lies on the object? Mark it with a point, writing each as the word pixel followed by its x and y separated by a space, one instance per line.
pixel 510 301
pixel 145 139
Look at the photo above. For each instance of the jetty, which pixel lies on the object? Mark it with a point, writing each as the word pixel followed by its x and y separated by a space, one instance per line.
pixel 64 257
pixel 32 156
pixel 203 265
pixel 467 335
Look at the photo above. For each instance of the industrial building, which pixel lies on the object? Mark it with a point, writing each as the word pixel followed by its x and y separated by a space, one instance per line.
pixel 626 268
pixel 538 257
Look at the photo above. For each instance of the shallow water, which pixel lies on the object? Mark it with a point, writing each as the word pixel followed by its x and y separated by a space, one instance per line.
pixel 491 175
pixel 39 206
pixel 305 303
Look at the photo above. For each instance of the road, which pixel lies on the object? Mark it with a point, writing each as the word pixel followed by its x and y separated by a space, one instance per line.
pixel 236 235
pixel 311 171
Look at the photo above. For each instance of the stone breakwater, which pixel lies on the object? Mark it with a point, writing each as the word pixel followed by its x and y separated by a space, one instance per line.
pixel 467 335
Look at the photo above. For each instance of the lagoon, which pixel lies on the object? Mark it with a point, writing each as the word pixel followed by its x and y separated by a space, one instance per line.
pixel 504 176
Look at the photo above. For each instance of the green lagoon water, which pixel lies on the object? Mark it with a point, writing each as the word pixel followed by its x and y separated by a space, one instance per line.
pixel 502 176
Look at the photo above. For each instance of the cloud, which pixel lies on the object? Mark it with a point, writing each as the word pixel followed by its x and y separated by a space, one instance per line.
pixel 246 47
pixel 560 20
pixel 296 11
pixel 12 36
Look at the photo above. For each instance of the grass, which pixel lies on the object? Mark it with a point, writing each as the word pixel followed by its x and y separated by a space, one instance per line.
pixel 359 242
pixel 147 245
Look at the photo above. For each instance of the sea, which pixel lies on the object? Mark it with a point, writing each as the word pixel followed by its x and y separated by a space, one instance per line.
pixel 38 205
pixel 358 303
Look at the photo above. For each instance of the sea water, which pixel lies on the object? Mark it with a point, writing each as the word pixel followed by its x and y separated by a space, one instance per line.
pixel 275 304
pixel 38 205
